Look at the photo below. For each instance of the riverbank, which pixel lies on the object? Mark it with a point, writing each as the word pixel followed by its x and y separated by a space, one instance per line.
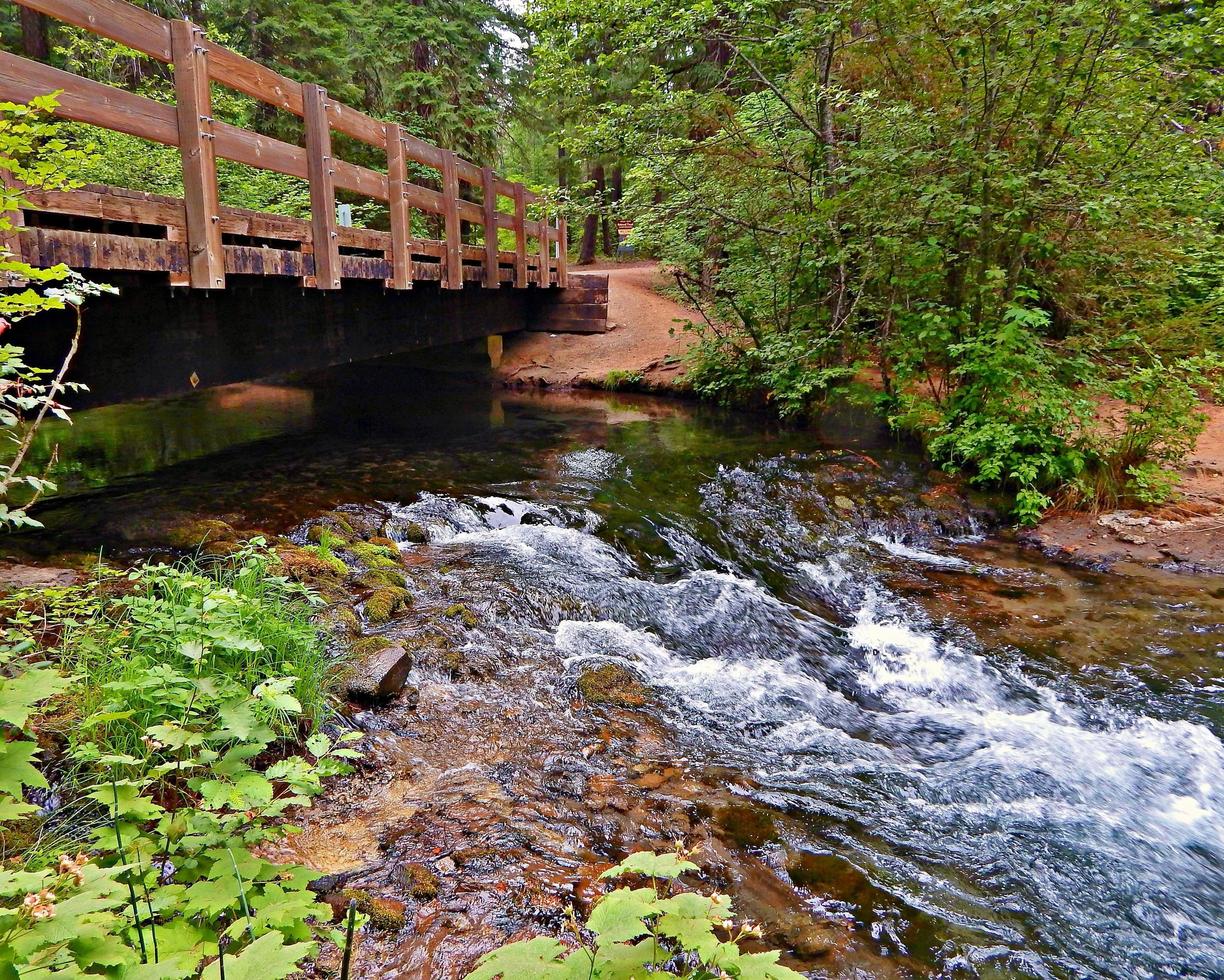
pixel 1186 534
pixel 643 349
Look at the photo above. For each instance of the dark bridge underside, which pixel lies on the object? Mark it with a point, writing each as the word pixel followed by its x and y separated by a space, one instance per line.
pixel 151 339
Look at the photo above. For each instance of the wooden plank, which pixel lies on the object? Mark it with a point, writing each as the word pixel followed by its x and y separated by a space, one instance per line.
pixel 364 267
pixel 360 180
pixel 232 70
pixel 196 147
pixel 263 152
pixel 82 100
pixel 401 211
pixel 492 254
pixel 122 22
pixel 90 203
pixel 575 311
pixel 450 199
pixel 367 238
pixel 520 236
pixel 319 165
pixel 253 260
pixel 257 224
pixel 91 250
pixel 419 151
pixel 562 253
pixel 355 123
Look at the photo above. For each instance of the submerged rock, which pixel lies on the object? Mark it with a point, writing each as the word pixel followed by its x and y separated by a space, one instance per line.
pixel 379 670
pixel 747 826
pixel 613 684
pixel 420 882
pixel 388 914
pixel 211 537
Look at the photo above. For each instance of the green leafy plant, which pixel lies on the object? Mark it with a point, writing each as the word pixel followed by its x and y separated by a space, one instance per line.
pixel 196 696
pixel 657 929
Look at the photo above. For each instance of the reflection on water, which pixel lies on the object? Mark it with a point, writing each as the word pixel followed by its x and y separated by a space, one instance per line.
pixel 1020 763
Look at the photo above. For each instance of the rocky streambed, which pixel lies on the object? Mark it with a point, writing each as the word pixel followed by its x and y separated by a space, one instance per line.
pixel 583 624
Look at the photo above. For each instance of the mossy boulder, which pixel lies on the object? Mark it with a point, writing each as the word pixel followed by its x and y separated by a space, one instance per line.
pixel 384 603
pixel 745 825
pixel 308 566
pixel 374 555
pixel 461 612
pixel 211 537
pixel 382 578
pixel 383 542
pixel 388 914
pixel 419 882
pixel 613 684
pixel 412 532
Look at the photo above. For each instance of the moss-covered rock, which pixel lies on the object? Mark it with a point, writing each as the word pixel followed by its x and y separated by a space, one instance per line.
pixel 419 882
pixel 208 536
pixel 308 566
pixel 384 603
pixel 374 555
pixel 413 533
pixel 613 684
pixel 381 578
pixel 461 612
pixel 745 825
pixel 383 542
pixel 388 914
pixel 338 620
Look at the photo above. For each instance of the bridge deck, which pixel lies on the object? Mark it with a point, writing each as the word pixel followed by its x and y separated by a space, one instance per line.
pixel 199 242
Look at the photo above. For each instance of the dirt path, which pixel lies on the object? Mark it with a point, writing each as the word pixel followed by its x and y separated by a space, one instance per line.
pixel 645 339
pixel 1187 533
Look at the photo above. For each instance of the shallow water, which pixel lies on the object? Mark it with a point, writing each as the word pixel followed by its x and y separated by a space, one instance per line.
pixel 1024 761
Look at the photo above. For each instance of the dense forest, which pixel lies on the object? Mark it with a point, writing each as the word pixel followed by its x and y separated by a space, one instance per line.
pixel 1000 223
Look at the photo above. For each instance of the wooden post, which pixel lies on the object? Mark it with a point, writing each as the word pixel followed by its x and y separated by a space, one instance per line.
pixel 492 254
pixel 562 253
pixel 401 213
pixel 520 236
pixel 545 264
pixel 452 275
pixel 205 253
pixel 321 170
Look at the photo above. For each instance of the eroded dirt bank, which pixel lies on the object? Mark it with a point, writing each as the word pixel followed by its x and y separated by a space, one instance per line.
pixel 645 345
pixel 1186 534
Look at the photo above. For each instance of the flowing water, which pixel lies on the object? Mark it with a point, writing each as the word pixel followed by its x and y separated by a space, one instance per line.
pixel 1023 762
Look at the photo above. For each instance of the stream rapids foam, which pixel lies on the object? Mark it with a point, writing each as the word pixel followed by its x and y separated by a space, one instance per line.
pixel 1053 832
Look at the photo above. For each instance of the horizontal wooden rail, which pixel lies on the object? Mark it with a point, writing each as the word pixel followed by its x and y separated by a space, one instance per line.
pixel 190 127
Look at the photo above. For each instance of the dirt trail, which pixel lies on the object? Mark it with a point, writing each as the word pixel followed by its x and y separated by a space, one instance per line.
pixel 644 338
pixel 1187 533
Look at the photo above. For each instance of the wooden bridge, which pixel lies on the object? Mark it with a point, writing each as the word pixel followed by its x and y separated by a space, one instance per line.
pixel 197 242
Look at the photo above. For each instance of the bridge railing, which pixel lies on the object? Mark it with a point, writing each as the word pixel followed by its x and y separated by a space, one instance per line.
pixel 194 250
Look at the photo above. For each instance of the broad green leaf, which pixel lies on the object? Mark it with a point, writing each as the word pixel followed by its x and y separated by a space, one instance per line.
pixel 760 966
pixel 15 768
pixel 267 958
pixel 540 959
pixel 617 917
pixel 666 866
pixel 19 695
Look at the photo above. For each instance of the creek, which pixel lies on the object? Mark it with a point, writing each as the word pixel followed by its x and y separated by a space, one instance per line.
pixel 976 762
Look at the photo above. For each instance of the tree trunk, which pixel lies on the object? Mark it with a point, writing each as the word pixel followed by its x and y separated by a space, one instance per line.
pixel 34 41
pixel 609 221
pixel 590 225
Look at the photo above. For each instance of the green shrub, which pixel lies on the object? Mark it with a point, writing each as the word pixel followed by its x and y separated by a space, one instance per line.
pixel 194 683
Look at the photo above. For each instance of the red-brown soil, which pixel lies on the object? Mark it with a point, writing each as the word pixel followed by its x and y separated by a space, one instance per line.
pixel 646 338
